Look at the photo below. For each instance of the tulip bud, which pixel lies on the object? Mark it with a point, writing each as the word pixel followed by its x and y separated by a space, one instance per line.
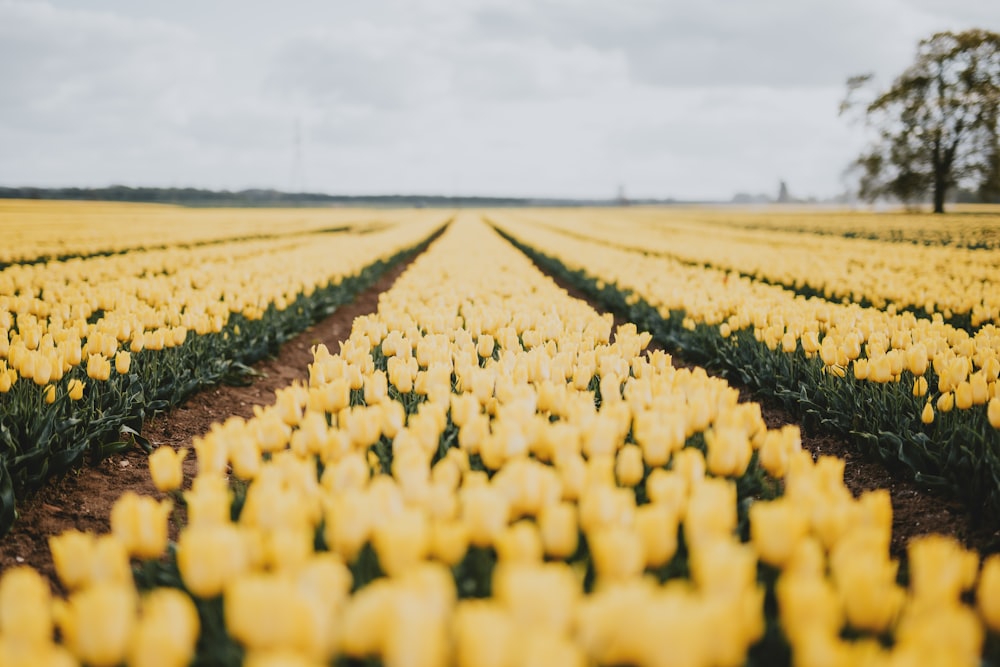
pixel 946 402
pixel 628 466
pixel 123 361
pixel 927 416
pixel 141 524
pixel 50 394
pixel 558 527
pixel 165 467
pixel 75 389
pixel 920 387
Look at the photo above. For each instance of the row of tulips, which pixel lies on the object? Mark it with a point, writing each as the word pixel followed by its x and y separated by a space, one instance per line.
pixel 909 390
pixel 89 347
pixel 962 285
pixel 36 231
pixel 487 474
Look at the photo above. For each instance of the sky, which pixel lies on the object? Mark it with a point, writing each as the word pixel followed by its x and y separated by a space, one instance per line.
pixel 527 98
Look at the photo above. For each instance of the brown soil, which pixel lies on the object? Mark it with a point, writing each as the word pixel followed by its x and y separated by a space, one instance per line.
pixel 83 499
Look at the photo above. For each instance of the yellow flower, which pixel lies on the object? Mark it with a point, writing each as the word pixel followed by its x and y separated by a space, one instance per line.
pixel 628 466
pixel 140 523
pixel 402 541
pixel 209 557
pixel 449 541
pixel 25 606
pixel 988 592
pixel 98 368
pixel 82 559
pixel 50 394
pixel 993 412
pixel 123 361
pixel 656 525
pixel 485 513
pixel 484 635
pixel 519 543
pixel 946 402
pixel 166 469
pixel 75 389
pixel 776 527
pixel 927 416
pixel 617 553
pixel 963 395
pixel 940 569
pixel 97 623
pixel 729 451
pixel 920 386
pixel 43 370
pixel 558 528
pixel 264 611
pixel 167 631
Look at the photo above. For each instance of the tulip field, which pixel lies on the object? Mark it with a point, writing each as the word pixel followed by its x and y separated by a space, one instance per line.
pixel 488 471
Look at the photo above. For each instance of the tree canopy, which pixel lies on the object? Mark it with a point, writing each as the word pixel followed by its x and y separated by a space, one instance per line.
pixel 936 125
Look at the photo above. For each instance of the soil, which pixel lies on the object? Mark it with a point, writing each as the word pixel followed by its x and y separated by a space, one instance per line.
pixel 83 499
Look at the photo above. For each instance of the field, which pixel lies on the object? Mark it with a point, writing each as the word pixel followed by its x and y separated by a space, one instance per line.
pixel 504 437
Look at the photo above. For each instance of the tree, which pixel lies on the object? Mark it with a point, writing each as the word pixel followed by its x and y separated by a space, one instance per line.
pixel 936 124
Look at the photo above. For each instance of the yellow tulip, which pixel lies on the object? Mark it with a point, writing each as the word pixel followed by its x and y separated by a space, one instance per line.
pixel 963 395
pixel 656 525
pixel 167 630
pixel 617 553
pixel 920 387
pixel 166 467
pixel 485 513
pixel 993 412
pixel 927 416
pixel 123 361
pixel 209 557
pixel 97 623
pixel 629 466
pixel 140 523
pixel 50 394
pixel 940 569
pixel 25 606
pixel 946 402
pixel 519 543
pixel 776 527
pixel 402 541
pixel 75 389
pixel 449 541
pixel 98 368
pixel 82 559
pixel 988 592
pixel 557 524
pixel 484 635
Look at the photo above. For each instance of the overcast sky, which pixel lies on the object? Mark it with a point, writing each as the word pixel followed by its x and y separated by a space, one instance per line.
pixel 667 98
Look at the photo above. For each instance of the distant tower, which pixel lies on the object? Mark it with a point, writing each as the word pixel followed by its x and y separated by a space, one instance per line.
pixel 783 196
pixel 622 199
pixel 298 181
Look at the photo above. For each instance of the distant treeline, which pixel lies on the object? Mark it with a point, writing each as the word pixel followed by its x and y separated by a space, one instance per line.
pixel 256 197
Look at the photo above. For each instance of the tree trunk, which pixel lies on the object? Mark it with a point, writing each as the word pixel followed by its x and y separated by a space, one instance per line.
pixel 940 189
